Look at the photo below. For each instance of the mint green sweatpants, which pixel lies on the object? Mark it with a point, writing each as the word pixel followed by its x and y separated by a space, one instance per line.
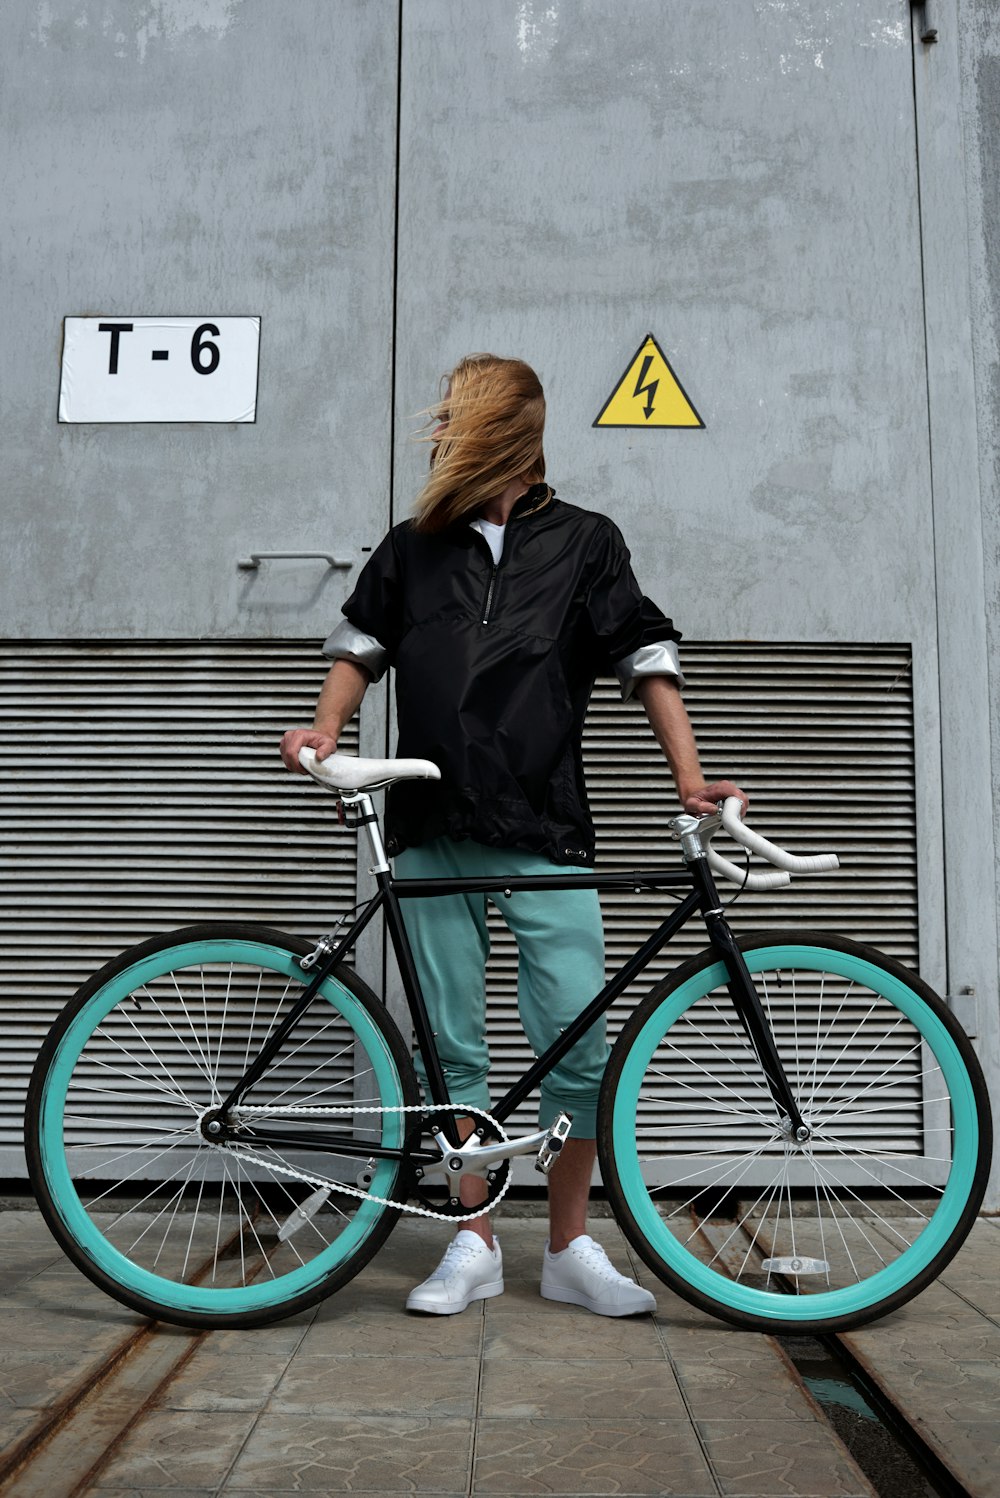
pixel 560 942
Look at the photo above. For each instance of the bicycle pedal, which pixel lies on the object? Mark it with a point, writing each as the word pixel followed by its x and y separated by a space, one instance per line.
pixel 553 1142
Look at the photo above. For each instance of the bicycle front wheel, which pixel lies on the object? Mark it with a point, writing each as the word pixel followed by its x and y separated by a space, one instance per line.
pixel 118 1142
pixel 738 1216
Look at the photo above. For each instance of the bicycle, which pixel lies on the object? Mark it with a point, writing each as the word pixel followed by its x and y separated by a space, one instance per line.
pixel 755 1131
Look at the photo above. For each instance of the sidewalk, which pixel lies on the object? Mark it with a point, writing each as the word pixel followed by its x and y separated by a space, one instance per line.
pixel 515 1396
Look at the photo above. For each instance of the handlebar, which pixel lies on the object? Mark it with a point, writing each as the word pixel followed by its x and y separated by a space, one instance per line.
pixel 789 863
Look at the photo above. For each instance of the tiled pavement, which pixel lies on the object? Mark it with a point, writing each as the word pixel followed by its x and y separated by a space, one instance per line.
pixel 515 1396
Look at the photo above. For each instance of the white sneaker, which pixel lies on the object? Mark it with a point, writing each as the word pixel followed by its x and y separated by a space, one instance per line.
pixel 468 1271
pixel 583 1275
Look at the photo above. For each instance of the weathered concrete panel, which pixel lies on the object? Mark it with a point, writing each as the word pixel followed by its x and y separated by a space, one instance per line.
pixel 227 158
pixel 979 40
pixel 569 185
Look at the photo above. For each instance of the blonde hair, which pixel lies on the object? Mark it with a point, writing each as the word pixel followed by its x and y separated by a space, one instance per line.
pixel 495 410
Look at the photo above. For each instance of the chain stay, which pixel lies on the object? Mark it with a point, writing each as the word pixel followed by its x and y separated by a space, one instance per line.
pixel 250 1111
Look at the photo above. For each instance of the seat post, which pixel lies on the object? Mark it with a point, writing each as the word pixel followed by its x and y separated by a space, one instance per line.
pixel 369 818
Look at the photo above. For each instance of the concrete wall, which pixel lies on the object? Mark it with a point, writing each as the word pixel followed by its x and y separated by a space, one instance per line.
pixel 979 22
pixel 201 157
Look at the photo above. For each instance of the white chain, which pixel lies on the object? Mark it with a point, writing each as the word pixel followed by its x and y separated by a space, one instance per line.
pixel 263 1110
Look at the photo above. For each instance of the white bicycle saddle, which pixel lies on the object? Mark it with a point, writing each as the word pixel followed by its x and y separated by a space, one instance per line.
pixel 346 772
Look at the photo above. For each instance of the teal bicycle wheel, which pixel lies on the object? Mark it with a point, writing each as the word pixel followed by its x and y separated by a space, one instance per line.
pixel 170 1223
pixel 735 1214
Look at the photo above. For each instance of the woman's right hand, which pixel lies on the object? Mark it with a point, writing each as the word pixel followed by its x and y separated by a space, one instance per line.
pixel 300 738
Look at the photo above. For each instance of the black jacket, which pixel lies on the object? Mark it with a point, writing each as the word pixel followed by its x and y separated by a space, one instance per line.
pixel 495 667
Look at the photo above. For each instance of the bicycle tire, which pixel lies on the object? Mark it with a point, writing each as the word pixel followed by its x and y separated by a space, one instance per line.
pixel 152 1212
pixel 751 1226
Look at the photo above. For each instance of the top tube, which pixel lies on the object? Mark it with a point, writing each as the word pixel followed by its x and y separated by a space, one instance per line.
pixel 637 880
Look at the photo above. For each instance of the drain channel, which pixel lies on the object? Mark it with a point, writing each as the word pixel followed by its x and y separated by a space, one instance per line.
pixel 895 1460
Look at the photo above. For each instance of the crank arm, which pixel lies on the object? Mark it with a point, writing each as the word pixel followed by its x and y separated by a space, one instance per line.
pixel 477 1159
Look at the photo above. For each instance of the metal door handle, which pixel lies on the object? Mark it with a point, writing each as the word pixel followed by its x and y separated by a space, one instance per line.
pixel 253 561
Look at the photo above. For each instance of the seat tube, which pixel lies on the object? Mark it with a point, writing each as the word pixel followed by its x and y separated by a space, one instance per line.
pixel 380 869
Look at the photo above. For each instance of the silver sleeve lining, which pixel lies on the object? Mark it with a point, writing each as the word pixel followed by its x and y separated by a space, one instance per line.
pixel 659 659
pixel 347 643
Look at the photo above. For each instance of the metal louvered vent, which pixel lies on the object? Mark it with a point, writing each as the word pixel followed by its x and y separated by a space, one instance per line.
pixel 141 790
pixel 821 738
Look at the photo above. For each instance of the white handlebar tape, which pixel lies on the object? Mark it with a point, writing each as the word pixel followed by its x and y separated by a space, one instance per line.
pixel 819 863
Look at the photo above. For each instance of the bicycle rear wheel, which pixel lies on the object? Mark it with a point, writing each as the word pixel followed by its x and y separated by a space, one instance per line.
pixel 734 1214
pixel 143 1202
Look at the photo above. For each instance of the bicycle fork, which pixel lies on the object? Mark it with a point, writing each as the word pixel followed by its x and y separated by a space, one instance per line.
pixel 742 990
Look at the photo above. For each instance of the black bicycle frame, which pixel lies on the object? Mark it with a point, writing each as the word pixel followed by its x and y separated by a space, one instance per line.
pixel 695 877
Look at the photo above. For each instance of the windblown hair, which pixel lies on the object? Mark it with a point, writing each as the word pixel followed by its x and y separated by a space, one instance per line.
pixel 495 411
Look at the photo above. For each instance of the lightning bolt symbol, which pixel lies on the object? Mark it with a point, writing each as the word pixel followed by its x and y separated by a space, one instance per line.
pixel 641 388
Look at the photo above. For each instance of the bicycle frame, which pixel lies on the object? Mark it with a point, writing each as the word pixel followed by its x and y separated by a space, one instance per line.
pixel 695 877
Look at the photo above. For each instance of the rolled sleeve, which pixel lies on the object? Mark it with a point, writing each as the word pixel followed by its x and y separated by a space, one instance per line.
pixel 348 643
pixel 659 659
pixel 634 637
pixel 370 630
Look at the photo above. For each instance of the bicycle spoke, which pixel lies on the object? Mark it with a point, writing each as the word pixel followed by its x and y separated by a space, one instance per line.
pixel 106 1164
pixel 845 1047
pixel 177 1097
pixel 205 1065
pixel 194 1224
pixel 676 1081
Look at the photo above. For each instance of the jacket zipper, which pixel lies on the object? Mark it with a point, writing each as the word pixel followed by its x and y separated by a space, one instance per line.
pixel 489 595
pixel 488 605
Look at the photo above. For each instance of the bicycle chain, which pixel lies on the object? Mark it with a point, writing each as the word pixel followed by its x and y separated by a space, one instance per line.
pixel 312 1180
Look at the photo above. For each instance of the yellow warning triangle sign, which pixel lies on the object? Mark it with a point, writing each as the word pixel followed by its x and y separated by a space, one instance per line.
pixel 649 394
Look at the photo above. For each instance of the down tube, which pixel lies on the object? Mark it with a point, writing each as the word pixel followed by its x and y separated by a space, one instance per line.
pixel 597 1006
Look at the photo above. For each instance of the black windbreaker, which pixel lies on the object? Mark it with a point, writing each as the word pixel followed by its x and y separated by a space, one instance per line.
pixel 495 666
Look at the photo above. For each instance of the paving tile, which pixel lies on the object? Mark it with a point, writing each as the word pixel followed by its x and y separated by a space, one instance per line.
pixel 58 1287
pixel 377 1329
pixel 279 1340
pixel 776 1457
pixel 288 1454
pixel 418 1386
pixel 42 1329
pixel 214 1380
pixel 729 1375
pixel 553 1330
pixel 598 1456
pixel 102 1492
pixel 917 1341
pixel 24 1264
pixel 33 1380
pixel 963 1391
pixel 177 1449
pixel 975 1271
pixel 14 1422
pixel 540 1389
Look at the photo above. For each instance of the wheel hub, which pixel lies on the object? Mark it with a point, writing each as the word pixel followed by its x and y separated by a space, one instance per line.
pixel 801 1135
pixel 212 1126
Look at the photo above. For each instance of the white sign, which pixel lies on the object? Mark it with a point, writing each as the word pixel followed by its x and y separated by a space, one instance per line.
pixel 159 369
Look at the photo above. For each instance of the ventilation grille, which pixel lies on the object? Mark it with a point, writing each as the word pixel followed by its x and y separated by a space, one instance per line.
pixel 821 738
pixel 141 790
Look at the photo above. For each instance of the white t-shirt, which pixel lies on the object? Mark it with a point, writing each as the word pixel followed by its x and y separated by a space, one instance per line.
pixel 493 536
